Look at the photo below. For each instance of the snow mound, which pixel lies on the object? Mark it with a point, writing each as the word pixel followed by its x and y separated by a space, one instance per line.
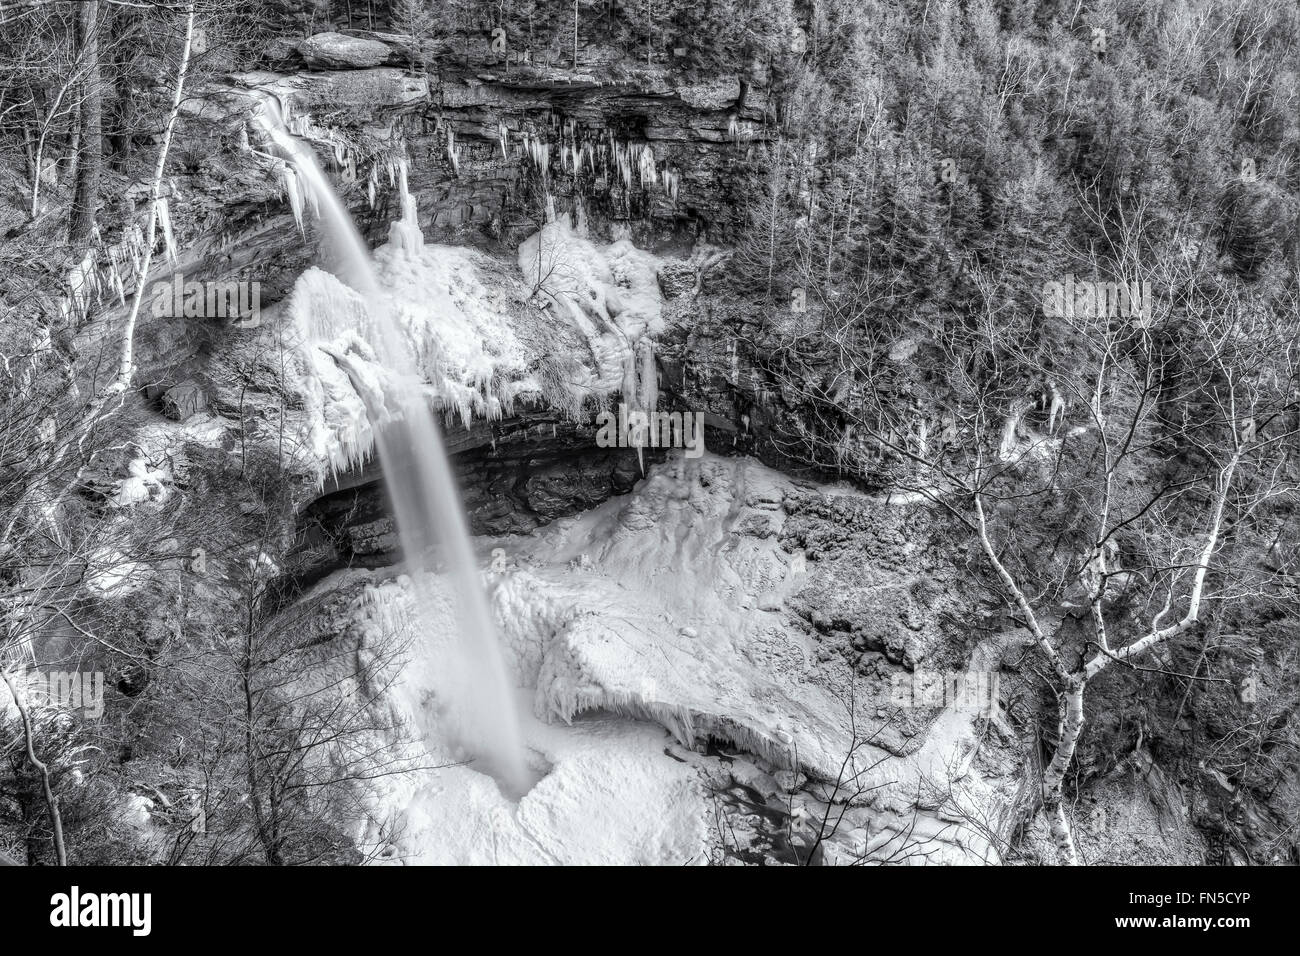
pixel 608 794
pixel 657 606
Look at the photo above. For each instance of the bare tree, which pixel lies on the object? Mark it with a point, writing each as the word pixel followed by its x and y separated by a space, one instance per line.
pixel 1133 457
pixel 90 154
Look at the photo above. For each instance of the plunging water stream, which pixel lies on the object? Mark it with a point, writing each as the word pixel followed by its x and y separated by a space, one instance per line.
pixel 430 518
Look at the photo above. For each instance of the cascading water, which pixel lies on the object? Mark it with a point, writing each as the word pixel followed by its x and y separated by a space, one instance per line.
pixel 430 518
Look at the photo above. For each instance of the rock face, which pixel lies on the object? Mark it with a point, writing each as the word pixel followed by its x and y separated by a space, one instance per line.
pixel 888 583
pixel 689 131
pixel 463 128
pixel 338 52
pixel 357 96
pixel 515 476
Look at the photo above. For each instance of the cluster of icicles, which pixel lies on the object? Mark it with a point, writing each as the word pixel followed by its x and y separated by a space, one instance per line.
pixel 633 163
pixel 302 200
pixel 106 268
pixel 101 275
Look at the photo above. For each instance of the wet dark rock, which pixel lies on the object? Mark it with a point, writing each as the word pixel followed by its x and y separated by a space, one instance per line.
pixel 515 476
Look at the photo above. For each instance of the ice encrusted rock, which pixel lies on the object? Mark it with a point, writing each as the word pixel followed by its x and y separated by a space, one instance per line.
pixel 614 636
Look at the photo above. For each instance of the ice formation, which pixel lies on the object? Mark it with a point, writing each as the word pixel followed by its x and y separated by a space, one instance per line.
pixel 609 292
pixel 165 220
pixel 293 193
pixel 466 351
pixel 143 483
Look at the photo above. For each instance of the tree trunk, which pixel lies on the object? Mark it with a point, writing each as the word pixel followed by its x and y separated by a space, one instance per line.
pixel 126 364
pixel 90 158
pixel 47 789
pixel 1054 775
pixel 74 145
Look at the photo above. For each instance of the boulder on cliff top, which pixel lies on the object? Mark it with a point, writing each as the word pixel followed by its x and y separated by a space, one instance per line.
pixel 338 52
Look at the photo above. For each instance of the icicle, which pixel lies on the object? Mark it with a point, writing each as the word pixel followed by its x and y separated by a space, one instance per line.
pixel 540 154
pixel 403 185
pixel 82 284
pixel 648 176
pixel 165 220
pixel 629 379
pixel 135 240
pixel 648 384
pixel 292 192
pixel 405 234
pixel 451 150
pixel 503 137
pixel 670 182
pixel 115 276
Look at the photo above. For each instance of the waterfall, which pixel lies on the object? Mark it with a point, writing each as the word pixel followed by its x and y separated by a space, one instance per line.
pixel 431 522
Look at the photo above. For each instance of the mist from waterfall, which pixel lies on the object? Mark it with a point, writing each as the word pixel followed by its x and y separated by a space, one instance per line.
pixel 431 522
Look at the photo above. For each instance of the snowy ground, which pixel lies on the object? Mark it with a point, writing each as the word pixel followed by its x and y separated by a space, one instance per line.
pixel 614 794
